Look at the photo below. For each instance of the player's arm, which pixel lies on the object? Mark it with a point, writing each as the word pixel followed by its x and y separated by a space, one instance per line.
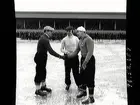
pixel 77 41
pixel 50 50
pixel 90 48
pixel 62 49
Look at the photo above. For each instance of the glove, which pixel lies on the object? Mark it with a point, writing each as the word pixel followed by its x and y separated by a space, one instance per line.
pixel 62 57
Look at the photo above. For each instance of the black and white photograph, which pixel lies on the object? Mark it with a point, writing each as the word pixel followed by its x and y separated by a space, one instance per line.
pixel 72 52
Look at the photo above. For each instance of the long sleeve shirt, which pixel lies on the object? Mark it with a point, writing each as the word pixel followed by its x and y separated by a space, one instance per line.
pixel 69 44
pixel 44 46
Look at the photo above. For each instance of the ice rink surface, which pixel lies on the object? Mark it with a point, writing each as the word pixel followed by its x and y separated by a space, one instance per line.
pixel 110 77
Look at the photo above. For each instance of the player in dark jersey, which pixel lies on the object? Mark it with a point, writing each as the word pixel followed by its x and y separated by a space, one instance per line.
pixel 87 70
pixel 43 46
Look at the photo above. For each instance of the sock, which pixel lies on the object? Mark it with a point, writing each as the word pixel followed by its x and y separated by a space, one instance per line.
pixel 37 87
pixel 91 92
pixel 43 84
pixel 90 95
pixel 83 88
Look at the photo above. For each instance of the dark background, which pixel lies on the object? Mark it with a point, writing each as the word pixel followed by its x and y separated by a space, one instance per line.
pixel 132 49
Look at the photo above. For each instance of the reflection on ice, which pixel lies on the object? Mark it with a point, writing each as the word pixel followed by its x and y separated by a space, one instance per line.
pixel 110 79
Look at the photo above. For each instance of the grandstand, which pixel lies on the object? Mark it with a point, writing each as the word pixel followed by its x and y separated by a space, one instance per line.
pixel 93 21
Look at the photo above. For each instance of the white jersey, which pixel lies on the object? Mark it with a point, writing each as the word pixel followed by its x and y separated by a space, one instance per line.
pixel 69 44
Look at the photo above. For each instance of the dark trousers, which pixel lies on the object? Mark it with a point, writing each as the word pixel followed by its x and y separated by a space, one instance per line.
pixel 87 76
pixel 40 59
pixel 72 63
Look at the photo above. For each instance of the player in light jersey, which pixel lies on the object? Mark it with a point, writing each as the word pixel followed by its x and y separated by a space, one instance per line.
pixel 68 46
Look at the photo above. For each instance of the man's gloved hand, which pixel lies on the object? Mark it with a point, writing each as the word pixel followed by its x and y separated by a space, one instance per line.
pixel 62 57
